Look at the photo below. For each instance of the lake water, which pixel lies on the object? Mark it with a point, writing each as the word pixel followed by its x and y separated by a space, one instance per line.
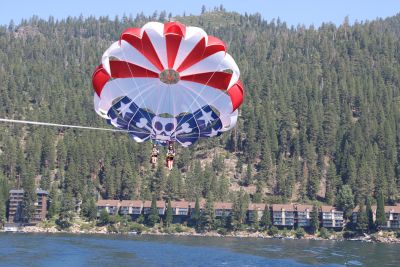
pixel 98 250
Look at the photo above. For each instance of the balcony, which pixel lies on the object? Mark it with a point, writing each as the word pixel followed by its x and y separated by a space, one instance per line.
pixel 302 217
pixel 136 210
pixel 146 210
pixel 125 210
pixel 220 212
pixel 160 211
pixel 396 217
pixel 289 222
pixel 289 214
pixel 338 223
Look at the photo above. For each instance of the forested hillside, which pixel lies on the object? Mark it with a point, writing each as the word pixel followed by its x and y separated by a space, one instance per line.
pixel 320 117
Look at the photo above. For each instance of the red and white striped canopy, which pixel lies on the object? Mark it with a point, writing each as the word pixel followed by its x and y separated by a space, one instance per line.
pixel 167 70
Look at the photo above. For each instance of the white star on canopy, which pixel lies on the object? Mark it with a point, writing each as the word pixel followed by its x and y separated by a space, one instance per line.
pixel 124 108
pixel 207 117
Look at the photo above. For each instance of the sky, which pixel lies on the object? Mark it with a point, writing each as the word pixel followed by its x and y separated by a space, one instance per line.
pixel 293 12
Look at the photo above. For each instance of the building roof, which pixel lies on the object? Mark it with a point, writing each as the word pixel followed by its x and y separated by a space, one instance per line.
pixel 131 203
pixel 392 209
pixel 180 204
pixel 304 207
pixel 356 208
pixel 21 191
pixel 159 203
pixel 280 207
pixel 223 205
pixel 256 206
pixel 16 191
pixel 202 204
pixel 329 209
pixel 108 202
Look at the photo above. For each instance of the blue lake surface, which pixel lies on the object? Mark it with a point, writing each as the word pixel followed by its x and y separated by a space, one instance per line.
pixel 116 250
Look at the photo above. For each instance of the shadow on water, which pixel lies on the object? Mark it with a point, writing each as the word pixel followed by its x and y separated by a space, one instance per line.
pixel 116 250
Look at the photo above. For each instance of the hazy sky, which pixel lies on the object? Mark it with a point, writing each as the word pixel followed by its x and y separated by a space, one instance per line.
pixel 292 11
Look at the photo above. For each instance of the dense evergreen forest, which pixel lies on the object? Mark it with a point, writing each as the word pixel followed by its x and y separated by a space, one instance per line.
pixel 319 122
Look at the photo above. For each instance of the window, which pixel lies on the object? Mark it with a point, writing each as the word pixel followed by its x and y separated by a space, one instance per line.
pixel 289 214
pixel 136 210
pixel 183 211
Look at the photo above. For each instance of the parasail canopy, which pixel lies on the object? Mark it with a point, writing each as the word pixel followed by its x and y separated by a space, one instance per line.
pixel 168 82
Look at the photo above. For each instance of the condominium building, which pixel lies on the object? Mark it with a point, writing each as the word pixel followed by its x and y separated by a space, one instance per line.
pixel 283 215
pixel 160 207
pixel 303 213
pixel 392 215
pixel 256 208
pixel 110 205
pixel 15 208
pixel 223 208
pixel 180 208
pixel 331 217
pixel 131 207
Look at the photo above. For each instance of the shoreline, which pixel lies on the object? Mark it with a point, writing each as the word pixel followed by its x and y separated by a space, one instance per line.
pixel 379 237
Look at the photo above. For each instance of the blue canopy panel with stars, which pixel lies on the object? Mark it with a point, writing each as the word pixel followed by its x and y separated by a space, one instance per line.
pixel 142 124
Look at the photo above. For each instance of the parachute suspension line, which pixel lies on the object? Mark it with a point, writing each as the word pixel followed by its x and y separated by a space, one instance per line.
pixel 174 110
pixel 198 104
pixel 59 125
pixel 140 94
pixel 137 87
pixel 172 102
pixel 204 86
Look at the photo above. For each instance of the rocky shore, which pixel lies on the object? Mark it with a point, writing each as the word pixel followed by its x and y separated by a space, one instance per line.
pixel 379 237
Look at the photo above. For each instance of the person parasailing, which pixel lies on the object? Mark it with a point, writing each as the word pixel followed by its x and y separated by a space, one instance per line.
pixel 154 155
pixel 170 156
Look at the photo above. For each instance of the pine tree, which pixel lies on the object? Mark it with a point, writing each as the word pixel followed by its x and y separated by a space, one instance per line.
pixel 313 183
pixel 331 184
pixel 29 199
pixel 208 217
pixel 240 208
pixel 223 188
pixel 54 201
pixel 371 225
pixel 157 183
pixel 380 212
pixel 168 215
pixel 45 181
pixel 104 218
pixel 196 216
pixel 266 218
pixel 314 220
pixel 345 200
pixel 66 211
pixel 254 220
pixel 248 179
pixel 153 216
pixel 89 209
pixel 362 219
pixel 2 211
